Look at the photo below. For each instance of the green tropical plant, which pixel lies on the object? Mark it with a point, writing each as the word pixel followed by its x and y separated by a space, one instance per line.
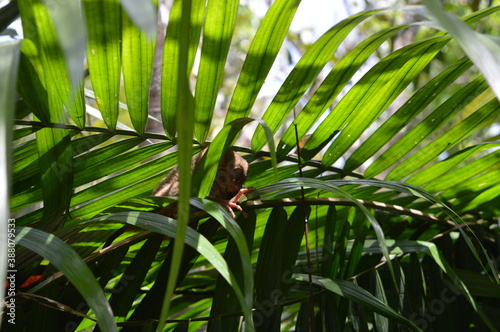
pixel 385 218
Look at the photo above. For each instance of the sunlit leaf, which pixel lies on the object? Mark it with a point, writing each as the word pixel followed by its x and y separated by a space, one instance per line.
pixel 138 50
pixel 482 49
pixel 220 18
pixel 104 29
pixel 304 73
pixel 261 55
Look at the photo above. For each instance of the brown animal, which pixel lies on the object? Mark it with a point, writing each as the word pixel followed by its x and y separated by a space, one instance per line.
pixel 227 189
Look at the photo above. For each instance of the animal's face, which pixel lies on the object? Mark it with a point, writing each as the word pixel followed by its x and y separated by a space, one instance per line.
pixel 231 176
pixel 237 181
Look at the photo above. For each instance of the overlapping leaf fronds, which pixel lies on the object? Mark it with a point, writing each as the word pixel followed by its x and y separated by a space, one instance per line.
pixel 398 193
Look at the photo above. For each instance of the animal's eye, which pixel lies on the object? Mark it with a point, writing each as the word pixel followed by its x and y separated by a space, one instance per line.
pixel 237 172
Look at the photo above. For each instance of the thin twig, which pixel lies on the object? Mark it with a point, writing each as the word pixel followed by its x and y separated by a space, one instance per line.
pixel 397 209
pixel 38 124
pixel 306 233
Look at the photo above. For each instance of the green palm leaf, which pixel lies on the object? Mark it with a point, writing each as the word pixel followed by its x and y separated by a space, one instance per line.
pixel 104 34
pixel 304 73
pixel 218 30
pixel 365 119
pixel 68 262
